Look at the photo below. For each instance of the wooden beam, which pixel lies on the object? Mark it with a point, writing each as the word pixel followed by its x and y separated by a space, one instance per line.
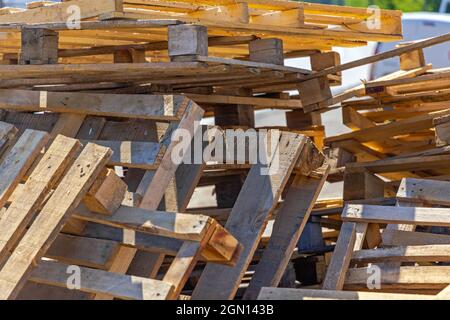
pixel 287 229
pixel 38 46
pixel 60 12
pixel 351 238
pixel 382 56
pixel 49 170
pixel 431 253
pixel 102 282
pixel 416 276
pixel 309 294
pixel 158 107
pixel 168 224
pixel 83 251
pixel 405 238
pixel 432 192
pixel 397 215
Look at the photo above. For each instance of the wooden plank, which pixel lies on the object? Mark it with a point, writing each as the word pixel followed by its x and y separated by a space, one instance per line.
pixel 102 282
pixel 142 241
pixel 162 177
pixel 432 253
pixel 159 107
pixel 253 101
pixel 133 154
pixel 350 239
pixel 68 124
pixel 119 264
pixel 382 56
pixel 106 194
pixel 389 130
pixel 362 184
pixel 183 265
pixel 49 170
pixel 248 219
pixel 431 192
pixel 169 224
pixel 309 294
pixel 83 251
pixel 405 238
pixel 398 215
pixel 419 276
pixel 18 160
pixel 60 12
pixel 402 164
pixel 287 229
pixel 52 217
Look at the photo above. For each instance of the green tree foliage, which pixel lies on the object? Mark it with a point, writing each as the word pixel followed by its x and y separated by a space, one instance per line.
pixel 404 5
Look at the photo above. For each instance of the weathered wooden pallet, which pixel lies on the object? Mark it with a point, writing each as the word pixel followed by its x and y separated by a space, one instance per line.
pixel 20 248
pixel 287 20
pixel 359 219
pixel 253 215
pixel 63 184
pixel 351 265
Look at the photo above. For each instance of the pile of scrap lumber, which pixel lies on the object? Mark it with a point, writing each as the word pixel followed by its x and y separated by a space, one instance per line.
pixel 391 226
pixel 93 205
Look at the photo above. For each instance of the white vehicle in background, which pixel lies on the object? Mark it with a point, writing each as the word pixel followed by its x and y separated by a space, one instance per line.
pixel 445 6
pixel 418 26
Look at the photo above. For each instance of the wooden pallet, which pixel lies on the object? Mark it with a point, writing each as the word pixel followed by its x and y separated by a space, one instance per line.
pixel 320 26
pixel 256 214
pixel 65 183
pixel 361 246
pixel 412 193
pixel 21 248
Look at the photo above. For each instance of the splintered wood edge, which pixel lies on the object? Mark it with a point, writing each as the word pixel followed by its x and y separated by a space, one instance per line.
pixel 310 161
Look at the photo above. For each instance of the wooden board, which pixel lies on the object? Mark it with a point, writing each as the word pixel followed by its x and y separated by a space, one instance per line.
pixel 351 238
pixel 157 107
pixel 424 191
pixel 309 294
pixel 287 229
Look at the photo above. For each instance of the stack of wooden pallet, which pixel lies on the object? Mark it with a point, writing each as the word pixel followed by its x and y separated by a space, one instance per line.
pixel 401 262
pixel 91 93
pixel 63 189
pixel 393 233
